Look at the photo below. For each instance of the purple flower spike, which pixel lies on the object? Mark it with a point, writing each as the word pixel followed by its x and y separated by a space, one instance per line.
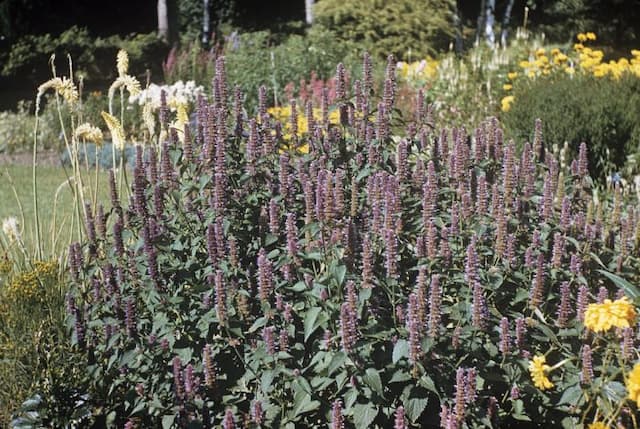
pixel 400 422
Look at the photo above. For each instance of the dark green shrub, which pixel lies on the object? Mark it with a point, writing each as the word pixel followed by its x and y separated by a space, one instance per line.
pixel 93 57
pixel 599 111
pixel 406 28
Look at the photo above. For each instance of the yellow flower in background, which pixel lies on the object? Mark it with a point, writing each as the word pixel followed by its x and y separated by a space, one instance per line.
pixel 598 425
pixel 506 103
pixel 89 132
pixel 591 36
pixel 538 368
pixel 507 87
pixel 540 52
pixel 560 58
pixel 512 75
pixel 578 47
pixel 581 37
pixel 633 384
pixel 524 64
pixel 602 317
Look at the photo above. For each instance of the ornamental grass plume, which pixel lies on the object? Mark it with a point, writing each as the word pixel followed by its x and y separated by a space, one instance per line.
pixel 90 133
pixel 633 384
pixel 602 317
pixel 116 130
pixel 538 370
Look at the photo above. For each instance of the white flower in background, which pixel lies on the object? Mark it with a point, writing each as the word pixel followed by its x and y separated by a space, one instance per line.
pixel 179 93
pixel 11 229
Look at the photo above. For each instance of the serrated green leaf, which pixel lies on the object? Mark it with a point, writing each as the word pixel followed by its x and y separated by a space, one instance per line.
pixel 311 321
pixel 339 273
pixel 414 408
pixel 364 415
pixel 571 395
pixel 400 376
pixel 259 323
pixel 167 421
pixel 337 361
pixel 372 378
pixel 427 382
pixel 400 350
pixel 350 398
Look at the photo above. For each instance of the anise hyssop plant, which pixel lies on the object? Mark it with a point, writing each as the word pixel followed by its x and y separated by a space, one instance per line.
pixel 347 276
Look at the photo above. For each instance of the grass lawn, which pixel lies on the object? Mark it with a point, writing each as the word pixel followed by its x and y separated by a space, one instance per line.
pixel 55 202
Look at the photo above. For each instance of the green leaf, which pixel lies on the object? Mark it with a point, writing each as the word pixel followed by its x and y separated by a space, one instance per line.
pixel 427 382
pixel 372 378
pixel 350 398
pixel 571 395
pixel 339 273
pixel 400 350
pixel 621 283
pixel 615 391
pixel 337 361
pixel 364 415
pixel 167 421
pixel 399 376
pixel 414 408
pixel 311 321
pixel 259 323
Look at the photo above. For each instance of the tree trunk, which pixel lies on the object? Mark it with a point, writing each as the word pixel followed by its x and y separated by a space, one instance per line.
pixel 308 11
pixel 206 23
pixel 457 23
pixel 490 20
pixel 163 20
pixel 481 20
pixel 505 23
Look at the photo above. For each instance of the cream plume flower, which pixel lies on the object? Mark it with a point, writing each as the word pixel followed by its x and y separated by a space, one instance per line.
pixel 89 132
pixel 122 62
pixel 116 130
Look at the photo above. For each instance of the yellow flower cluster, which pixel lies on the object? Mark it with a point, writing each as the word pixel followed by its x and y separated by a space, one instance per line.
pixel 583 60
pixel 418 71
pixel 602 317
pixel 538 369
pixel 25 287
pixel 598 425
pixel 583 37
pixel 633 384
pixel 283 115
pixel 5 265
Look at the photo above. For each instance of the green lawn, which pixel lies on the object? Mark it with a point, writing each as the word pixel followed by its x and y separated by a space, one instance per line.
pixel 55 202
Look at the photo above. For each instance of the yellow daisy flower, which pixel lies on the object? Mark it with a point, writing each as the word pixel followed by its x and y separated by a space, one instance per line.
pixel 633 384
pixel 602 317
pixel 538 368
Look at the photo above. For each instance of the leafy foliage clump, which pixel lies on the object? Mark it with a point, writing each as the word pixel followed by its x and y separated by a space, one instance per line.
pixel 382 280
pixel 405 28
pixel 600 111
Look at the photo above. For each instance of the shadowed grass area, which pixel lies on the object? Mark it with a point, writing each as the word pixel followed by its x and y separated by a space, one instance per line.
pixel 33 341
pixel 58 222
